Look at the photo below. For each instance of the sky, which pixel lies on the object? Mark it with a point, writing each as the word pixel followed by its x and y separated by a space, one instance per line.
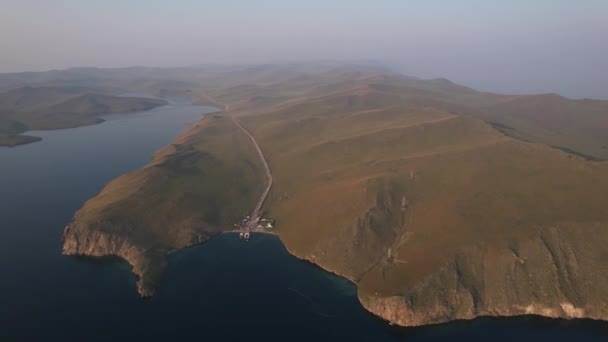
pixel 514 46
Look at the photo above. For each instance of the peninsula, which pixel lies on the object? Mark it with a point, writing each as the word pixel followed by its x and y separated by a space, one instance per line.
pixel 56 107
pixel 438 201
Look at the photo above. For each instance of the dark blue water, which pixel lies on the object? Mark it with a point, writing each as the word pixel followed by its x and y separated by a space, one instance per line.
pixel 222 290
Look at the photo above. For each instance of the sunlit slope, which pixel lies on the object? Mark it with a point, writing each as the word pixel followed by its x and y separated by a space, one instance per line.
pixel 399 196
pixel 576 126
pixel 193 189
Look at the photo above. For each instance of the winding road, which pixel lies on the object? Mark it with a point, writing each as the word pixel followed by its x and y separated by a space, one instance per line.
pixel 255 212
pixel 260 202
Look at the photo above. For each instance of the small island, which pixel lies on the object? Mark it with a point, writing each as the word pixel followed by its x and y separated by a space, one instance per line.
pixel 47 108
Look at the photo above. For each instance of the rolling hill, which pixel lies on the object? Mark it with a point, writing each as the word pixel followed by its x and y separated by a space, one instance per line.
pixel 43 108
pixel 438 201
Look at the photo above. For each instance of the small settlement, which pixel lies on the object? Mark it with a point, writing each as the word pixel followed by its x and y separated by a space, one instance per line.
pixel 249 224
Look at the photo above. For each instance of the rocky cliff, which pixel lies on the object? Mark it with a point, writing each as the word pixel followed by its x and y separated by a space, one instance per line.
pixel 184 196
pixel 148 261
pixel 555 274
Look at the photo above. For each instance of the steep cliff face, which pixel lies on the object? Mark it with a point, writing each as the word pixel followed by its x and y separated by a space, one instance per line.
pixel 185 196
pixel 361 245
pixel 555 274
pixel 148 261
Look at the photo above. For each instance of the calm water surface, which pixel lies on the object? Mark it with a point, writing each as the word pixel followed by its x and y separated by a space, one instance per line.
pixel 222 290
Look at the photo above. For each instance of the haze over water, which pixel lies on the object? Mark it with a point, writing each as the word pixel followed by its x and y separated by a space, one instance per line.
pixel 514 46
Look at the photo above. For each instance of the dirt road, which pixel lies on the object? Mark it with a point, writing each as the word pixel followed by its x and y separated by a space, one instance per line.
pixel 260 202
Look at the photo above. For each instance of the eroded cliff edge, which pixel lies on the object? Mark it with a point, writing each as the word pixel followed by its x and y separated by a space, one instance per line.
pixel 185 196
pixel 554 274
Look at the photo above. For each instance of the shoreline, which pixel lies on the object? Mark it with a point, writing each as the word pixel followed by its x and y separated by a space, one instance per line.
pixel 24 139
pixel 394 310
pixel 113 258
pixel 435 324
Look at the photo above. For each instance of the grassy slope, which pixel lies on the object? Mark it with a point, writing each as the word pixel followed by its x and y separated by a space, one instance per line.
pixel 335 166
pixel 192 190
pixel 397 184
pixel 58 107
pixel 343 164
pixel 575 125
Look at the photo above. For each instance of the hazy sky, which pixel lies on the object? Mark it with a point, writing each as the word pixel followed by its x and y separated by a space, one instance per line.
pixel 507 45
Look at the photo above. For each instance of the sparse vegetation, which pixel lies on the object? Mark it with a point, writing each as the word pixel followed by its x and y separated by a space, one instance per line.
pixel 191 191
pixel 480 217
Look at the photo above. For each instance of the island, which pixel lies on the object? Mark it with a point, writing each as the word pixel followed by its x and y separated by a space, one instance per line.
pixel 55 107
pixel 438 201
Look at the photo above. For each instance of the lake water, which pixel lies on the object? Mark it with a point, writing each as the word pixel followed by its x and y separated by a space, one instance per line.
pixel 225 289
